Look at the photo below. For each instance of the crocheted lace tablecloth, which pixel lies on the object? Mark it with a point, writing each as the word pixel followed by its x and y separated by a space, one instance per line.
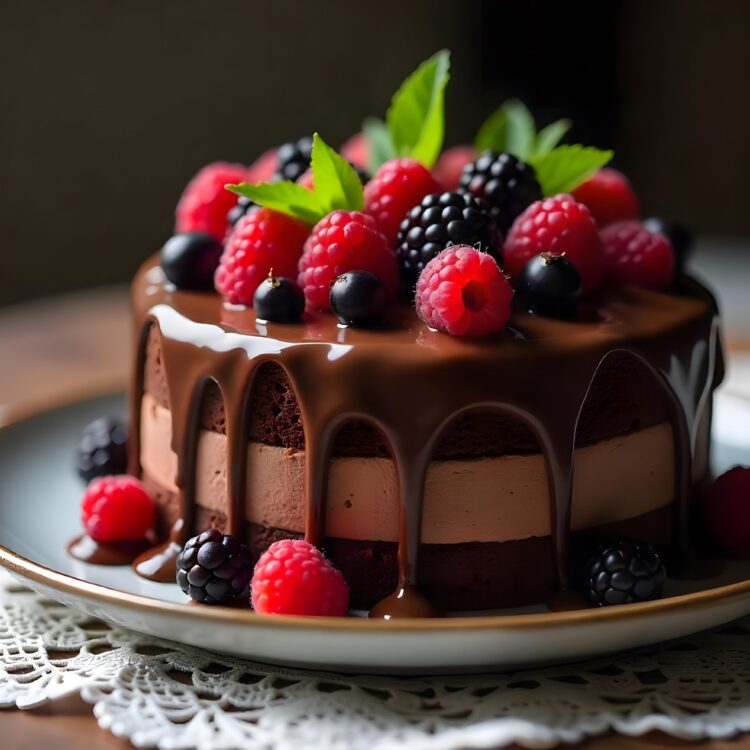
pixel 156 693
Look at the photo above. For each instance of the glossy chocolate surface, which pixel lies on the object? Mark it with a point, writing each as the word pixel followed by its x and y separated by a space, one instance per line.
pixel 411 382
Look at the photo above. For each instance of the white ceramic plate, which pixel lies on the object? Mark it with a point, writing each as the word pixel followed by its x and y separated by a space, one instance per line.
pixel 39 497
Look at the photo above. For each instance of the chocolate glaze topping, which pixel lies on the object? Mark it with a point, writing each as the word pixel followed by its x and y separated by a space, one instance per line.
pixel 411 382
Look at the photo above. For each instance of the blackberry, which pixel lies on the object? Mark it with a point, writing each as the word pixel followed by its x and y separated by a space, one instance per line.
pixel 624 573
pixel 293 159
pixel 213 568
pixel 508 185
pixel 240 208
pixel 442 219
pixel 102 449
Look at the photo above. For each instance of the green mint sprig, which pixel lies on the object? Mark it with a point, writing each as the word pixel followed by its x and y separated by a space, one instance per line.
pixel 415 121
pixel 336 186
pixel 559 169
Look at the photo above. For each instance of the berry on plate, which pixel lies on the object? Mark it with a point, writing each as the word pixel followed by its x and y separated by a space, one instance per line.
pixel 726 510
pixel 624 573
pixel 292 577
pixel 558 226
pixel 678 234
pixel 344 241
pixel 262 241
pixel 442 219
pixel 549 285
pixel 462 291
pixel 609 197
pixel 633 255
pixel 189 260
pixel 399 184
pixel 450 164
pixel 279 300
pixel 293 159
pixel 102 449
pixel 213 568
pixel 204 204
pixel 117 508
pixel 358 299
pixel 507 184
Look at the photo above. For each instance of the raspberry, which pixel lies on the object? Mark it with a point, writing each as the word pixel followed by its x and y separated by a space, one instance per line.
pixel 117 508
pixel 726 510
pixel 442 219
pixel 609 197
pixel 558 226
pixel 463 292
pixel 633 255
pixel 356 150
pixel 505 183
pixel 340 242
pixel 262 169
pixel 293 577
pixel 399 184
pixel 447 171
pixel 261 242
pixel 204 204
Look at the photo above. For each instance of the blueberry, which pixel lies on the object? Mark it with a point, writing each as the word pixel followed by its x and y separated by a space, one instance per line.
pixel 678 234
pixel 358 298
pixel 549 285
pixel 190 259
pixel 279 300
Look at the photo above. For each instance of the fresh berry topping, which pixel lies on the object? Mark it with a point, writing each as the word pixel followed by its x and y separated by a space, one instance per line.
pixel 358 299
pixel 633 255
pixel 117 508
pixel 462 291
pixel 558 226
pixel 678 234
pixel 399 184
pixel 204 204
pixel 442 219
pixel 624 573
pixel 506 184
pixel 102 449
pixel 262 241
pixel 293 577
pixel 450 165
pixel 356 150
pixel 213 568
pixel 240 209
pixel 549 285
pixel 189 260
pixel 609 197
pixel 726 510
pixel 279 300
pixel 263 168
pixel 340 242
pixel 293 159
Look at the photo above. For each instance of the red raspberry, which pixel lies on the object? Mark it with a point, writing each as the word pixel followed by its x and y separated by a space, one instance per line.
pixel 633 255
pixel 558 226
pixel 609 197
pixel 262 169
pixel 340 242
pixel 204 204
pixel 262 241
pixel 293 578
pixel 356 150
pixel 726 510
pixel 117 508
pixel 398 185
pixel 462 291
pixel 450 164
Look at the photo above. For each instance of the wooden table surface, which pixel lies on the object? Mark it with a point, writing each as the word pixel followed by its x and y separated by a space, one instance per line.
pixel 77 346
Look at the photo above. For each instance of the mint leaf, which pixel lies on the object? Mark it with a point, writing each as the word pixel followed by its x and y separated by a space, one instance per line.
pixel 510 129
pixel 379 142
pixel 337 184
pixel 549 136
pixel 285 197
pixel 566 167
pixel 416 118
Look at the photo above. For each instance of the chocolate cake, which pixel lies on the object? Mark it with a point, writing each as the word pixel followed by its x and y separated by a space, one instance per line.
pixel 438 473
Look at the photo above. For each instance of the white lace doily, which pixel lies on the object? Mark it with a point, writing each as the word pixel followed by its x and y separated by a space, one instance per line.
pixel 156 693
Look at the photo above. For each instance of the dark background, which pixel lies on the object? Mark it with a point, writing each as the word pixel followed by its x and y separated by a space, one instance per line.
pixel 108 108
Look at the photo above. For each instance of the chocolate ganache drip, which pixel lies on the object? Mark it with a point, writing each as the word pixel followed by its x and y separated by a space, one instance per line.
pixel 411 383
